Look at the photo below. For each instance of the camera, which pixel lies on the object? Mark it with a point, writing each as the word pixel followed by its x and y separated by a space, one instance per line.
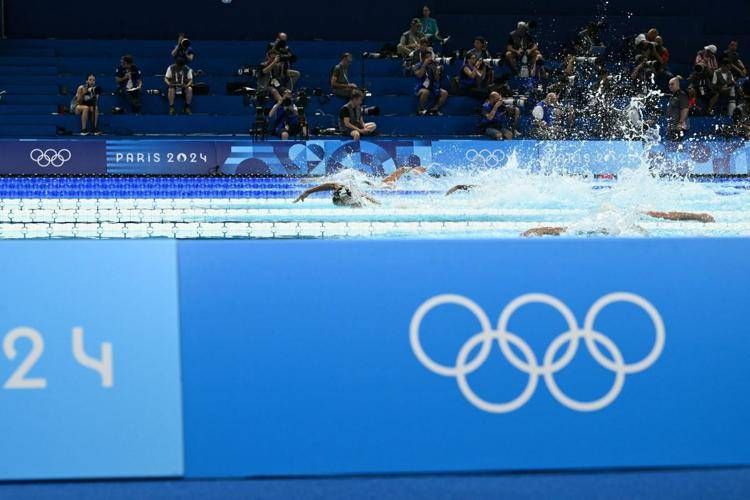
pixel 185 43
pixel 371 111
pixel 493 62
pixel 287 102
pixel 518 101
pixel 443 60
pixel 589 60
pixel 153 92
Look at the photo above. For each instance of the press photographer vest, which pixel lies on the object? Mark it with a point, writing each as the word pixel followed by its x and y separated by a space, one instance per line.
pixel 179 76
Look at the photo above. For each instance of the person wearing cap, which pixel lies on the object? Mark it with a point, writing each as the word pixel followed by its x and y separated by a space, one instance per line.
pixel 707 57
pixel 678 109
pixel 522 52
pixel 410 39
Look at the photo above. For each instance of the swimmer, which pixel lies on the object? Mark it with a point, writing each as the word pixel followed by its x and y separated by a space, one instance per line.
pixel 674 216
pixel 460 187
pixel 345 195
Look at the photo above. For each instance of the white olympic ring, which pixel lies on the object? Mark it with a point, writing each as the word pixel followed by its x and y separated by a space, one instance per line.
pixel 50 157
pixel 530 365
pixel 488 158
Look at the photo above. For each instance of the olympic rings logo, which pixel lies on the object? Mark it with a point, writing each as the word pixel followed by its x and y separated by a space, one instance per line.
pixel 530 365
pixel 486 157
pixel 50 157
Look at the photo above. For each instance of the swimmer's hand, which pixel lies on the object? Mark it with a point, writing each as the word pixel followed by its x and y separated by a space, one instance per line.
pixel 544 231
pixel 299 198
pixel 683 216
pixel 460 187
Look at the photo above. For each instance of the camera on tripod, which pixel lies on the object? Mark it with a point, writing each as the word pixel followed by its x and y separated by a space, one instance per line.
pixel 496 63
pixel 518 101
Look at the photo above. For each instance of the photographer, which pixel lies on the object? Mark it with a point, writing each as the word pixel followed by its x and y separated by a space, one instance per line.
pixel 340 85
pixel 677 111
pixel 741 116
pixel 86 104
pixel 471 77
pixel 284 118
pixel 522 50
pixel 286 56
pixel 738 67
pixel 410 39
pixel 183 49
pixel 724 87
pixel 480 51
pixel 351 121
pixel 129 83
pixel 429 74
pixel 547 118
pixel 701 86
pixel 588 38
pixel 273 76
pixel 179 80
pixel 707 57
pixel 498 118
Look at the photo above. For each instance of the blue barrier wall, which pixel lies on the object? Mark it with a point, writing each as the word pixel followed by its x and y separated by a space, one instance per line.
pixel 315 357
pixel 321 156
pixel 331 357
pixel 105 404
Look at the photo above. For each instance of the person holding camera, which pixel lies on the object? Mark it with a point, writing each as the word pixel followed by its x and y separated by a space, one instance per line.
pixel 183 49
pixel 129 83
pixel 429 74
pixel 700 89
pixel 274 76
pixel 738 67
pixel 724 86
pixel 351 118
pixel 86 104
pixel 497 118
pixel 522 52
pixel 284 117
pixel 471 77
pixel 287 57
pixel 678 110
pixel 340 84
pixel 481 52
pixel 179 80
pixel 741 116
pixel 707 57
pixel 410 39
pixel 547 116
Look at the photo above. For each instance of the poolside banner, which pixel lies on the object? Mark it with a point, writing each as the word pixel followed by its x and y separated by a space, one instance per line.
pixel 346 357
pixel 51 157
pixel 378 157
pixel 89 369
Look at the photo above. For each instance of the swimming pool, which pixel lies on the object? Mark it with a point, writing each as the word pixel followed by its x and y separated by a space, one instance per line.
pixel 505 203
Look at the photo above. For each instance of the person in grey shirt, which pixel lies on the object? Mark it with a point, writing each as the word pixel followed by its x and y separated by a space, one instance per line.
pixel 340 84
pixel 677 111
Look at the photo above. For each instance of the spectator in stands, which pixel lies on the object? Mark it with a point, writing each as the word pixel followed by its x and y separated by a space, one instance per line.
pixel 724 87
pixel 741 116
pixel 707 57
pixel 284 119
pixel 86 104
pixel 179 80
pixel 129 83
pixel 430 27
pixel 662 51
pixel 429 75
pixel 410 39
pixel 340 84
pixel 481 52
pixel 280 45
pixel 183 49
pixel 700 89
pixel 522 50
pixel 652 35
pixel 497 118
pixel 351 118
pixel 274 77
pixel 738 67
pixel 472 75
pixel 677 111
pixel 547 116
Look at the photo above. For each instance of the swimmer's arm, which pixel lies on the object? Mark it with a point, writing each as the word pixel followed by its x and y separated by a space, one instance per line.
pixel 371 199
pixel 544 231
pixel 460 187
pixel 682 216
pixel 395 176
pixel 327 186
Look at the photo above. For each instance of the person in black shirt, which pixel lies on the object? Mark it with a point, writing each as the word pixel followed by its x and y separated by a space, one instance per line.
pixel 351 121
pixel 129 83
pixel 677 111
pixel 479 50
pixel 340 84
pixel 179 80
pixel 522 51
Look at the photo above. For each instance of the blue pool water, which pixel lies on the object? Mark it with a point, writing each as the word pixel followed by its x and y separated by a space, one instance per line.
pixel 505 203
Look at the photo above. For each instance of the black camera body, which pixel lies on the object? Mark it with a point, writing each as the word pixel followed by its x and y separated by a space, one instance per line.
pixel 185 43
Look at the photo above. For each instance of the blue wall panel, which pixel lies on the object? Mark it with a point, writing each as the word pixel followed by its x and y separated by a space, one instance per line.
pixel 297 356
pixel 68 417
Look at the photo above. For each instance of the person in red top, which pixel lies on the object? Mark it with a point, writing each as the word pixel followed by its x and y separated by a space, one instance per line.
pixel 662 50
